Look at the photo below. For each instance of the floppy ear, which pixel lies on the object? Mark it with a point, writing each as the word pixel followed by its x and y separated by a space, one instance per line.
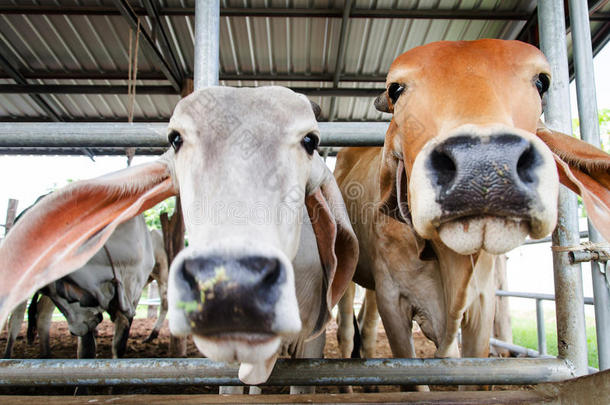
pixel 66 228
pixel 393 181
pixel 335 237
pixel 585 170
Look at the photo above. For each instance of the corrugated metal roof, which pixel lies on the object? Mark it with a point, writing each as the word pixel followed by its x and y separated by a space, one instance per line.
pixel 86 42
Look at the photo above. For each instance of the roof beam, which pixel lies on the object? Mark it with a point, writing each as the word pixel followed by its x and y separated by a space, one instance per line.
pixel 122 75
pixel 340 56
pixel 148 44
pixel 167 90
pixel 164 42
pixel 18 78
pixel 287 12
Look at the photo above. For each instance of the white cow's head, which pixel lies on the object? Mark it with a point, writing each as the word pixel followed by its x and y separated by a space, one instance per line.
pixel 245 165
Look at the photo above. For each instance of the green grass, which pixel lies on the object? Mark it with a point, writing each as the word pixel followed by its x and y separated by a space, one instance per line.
pixel 524 333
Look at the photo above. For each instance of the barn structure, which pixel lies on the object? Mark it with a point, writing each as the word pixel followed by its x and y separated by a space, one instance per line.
pixel 97 77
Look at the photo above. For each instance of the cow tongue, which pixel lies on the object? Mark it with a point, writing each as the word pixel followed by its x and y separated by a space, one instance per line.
pixel 256 373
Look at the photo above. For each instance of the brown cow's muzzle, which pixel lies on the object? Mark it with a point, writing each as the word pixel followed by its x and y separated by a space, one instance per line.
pixel 493 175
pixel 484 188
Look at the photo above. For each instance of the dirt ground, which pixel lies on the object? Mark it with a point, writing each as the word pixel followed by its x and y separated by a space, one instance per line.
pixel 63 345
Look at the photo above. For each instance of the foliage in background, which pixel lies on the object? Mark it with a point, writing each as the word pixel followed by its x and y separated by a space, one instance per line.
pixel 525 333
pixel 604 128
pixel 152 216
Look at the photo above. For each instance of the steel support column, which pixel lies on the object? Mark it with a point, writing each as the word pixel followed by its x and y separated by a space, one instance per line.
pixel 589 132
pixel 572 344
pixel 207 43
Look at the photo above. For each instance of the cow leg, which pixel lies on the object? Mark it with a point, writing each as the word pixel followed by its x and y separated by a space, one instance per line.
pixel 86 346
pixel 122 324
pixel 346 327
pixel 396 314
pixel 502 329
pixel 345 323
pixel 314 349
pixel 43 325
pixel 162 285
pixel 14 326
pixel 368 318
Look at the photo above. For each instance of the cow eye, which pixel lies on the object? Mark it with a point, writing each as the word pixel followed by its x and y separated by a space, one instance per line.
pixel 175 139
pixel 310 142
pixel 394 91
pixel 542 83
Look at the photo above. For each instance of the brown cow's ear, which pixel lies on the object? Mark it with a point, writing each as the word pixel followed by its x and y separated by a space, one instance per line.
pixel 382 103
pixel 393 181
pixel 335 237
pixel 585 170
pixel 66 228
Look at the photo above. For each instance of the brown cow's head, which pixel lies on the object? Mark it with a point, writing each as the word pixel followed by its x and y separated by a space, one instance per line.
pixel 466 115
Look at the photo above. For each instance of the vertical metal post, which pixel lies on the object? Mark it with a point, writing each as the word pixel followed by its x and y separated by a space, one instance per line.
pixel 207 43
pixel 11 213
pixel 540 327
pixel 206 70
pixel 589 132
pixel 568 278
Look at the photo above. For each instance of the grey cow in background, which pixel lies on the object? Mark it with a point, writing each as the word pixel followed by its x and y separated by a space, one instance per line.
pixel 112 281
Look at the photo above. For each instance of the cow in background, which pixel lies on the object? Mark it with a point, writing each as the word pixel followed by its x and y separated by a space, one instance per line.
pixel 160 274
pixel 112 281
pixel 467 171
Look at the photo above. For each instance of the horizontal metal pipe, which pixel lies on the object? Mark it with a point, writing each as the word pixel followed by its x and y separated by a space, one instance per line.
pixel 513 348
pixel 286 372
pixel 587 256
pixel 152 135
pixel 536 296
pixel 583 235
pixel 524 351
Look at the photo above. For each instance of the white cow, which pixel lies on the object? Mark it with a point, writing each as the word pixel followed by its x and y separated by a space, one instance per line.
pixel 271 249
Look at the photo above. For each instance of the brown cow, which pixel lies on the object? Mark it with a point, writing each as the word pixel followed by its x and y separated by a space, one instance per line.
pixel 466 173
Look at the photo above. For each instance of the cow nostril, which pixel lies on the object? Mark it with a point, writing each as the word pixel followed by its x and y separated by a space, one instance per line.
pixel 271 273
pixel 443 166
pixel 526 164
pixel 190 270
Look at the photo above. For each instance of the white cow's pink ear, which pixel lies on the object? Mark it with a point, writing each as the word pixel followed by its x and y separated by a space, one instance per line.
pixel 585 170
pixel 336 240
pixel 64 229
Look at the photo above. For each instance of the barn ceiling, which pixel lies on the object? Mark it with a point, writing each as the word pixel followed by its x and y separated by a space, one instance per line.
pixel 68 60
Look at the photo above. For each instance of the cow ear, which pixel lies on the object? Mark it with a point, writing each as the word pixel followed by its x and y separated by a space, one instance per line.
pixel 585 170
pixel 67 227
pixel 336 240
pixel 382 103
pixel 317 111
pixel 393 180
